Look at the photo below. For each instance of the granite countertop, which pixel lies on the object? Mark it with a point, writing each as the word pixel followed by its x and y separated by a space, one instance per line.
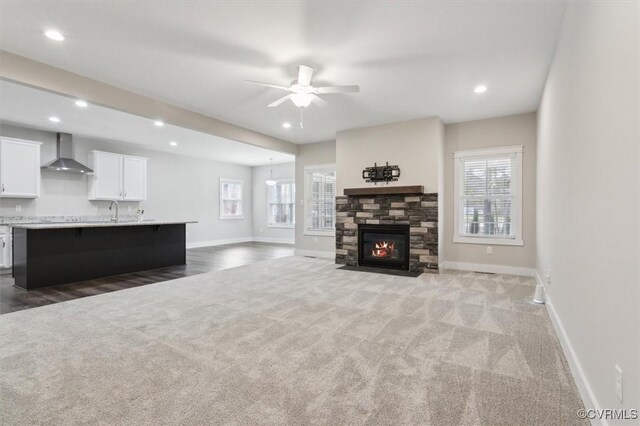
pixel 52 225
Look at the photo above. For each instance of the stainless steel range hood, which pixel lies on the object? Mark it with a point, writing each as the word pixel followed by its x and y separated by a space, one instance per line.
pixel 64 161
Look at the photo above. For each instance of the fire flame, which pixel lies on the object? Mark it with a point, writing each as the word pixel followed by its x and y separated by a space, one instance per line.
pixel 383 249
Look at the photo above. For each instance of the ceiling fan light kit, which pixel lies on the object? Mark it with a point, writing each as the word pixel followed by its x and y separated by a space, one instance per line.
pixel 303 93
pixel 302 100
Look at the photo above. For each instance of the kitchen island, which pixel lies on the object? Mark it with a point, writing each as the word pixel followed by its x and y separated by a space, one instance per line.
pixel 47 254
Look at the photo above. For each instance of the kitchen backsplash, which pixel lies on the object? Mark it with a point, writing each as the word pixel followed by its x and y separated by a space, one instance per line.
pixel 63 219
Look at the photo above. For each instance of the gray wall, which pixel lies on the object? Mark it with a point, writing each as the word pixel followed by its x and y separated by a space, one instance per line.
pixel 309 155
pixel 413 145
pixel 178 187
pixel 503 131
pixel 262 232
pixel 588 232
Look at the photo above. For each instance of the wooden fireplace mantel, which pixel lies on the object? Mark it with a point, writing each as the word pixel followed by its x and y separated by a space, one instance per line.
pixel 385 190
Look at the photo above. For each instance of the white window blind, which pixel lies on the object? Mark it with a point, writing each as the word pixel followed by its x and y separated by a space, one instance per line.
pixel 320 211
pixel 281 204
pixel 488 196
pixel 230 198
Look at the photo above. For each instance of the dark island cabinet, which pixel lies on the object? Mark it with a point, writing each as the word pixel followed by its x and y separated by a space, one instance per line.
pixel 45 257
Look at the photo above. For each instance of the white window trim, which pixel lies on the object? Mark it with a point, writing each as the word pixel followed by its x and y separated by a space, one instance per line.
pixel 328 167
pixel 516 183
pixel 231 180
pixel 281 226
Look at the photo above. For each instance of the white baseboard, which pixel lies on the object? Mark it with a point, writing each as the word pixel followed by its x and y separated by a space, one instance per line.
pixel 540 294
pixel 274 240
pixel 494 269
pixel 586 393
pixel 198 244
pixel 316 253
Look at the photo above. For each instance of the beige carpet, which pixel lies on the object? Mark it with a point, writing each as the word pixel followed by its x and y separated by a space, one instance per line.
pixel 290 341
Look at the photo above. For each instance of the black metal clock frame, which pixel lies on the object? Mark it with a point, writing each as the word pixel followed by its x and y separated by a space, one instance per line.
pixel 377 173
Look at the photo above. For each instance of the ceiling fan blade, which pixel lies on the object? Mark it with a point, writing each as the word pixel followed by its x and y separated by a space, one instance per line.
pixel 319 101
pixel 279 101
pixel 304 75
pixel 275 86
pixel 338 89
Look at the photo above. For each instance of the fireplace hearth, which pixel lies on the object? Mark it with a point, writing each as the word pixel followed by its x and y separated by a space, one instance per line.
pixel 384 246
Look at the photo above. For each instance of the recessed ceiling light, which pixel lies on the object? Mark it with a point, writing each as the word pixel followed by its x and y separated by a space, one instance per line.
pixel 54 35
pixel 158 123
pixel 54 119
pixel 286 125
pixel 480 89
pixel 81 103
pixel 173 143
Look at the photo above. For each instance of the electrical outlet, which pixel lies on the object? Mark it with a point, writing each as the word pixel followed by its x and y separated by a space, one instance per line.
pixel 129 209
pixel 548 277
pixel 489 250
pixel 619 383
pixel 18 207
pixel 95 208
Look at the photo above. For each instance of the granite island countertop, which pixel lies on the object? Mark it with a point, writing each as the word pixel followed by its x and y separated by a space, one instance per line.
pixel 61 225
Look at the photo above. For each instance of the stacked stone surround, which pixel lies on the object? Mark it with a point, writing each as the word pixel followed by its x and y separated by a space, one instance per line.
pixel 420 212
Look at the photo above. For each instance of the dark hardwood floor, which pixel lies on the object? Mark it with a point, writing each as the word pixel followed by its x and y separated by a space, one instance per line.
pixel 199 261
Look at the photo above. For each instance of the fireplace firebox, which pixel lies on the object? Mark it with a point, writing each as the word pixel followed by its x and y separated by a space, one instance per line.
pixel 383 246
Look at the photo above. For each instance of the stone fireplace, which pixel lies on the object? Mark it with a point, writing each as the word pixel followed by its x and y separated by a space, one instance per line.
pixel 388 227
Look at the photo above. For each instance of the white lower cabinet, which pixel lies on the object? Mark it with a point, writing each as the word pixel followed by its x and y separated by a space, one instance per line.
pixel 19 168
pixel 117 177
pixel 5 247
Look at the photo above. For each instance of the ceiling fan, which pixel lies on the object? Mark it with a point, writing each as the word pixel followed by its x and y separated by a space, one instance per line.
pixel 303 93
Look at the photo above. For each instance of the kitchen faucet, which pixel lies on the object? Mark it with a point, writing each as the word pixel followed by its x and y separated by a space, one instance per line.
pixel 117 218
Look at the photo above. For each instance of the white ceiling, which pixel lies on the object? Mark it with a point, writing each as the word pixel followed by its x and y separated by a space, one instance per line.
pixel 32 108
pixel 411 59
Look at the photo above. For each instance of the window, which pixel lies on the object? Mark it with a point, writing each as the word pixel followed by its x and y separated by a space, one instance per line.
pixel 230 199
pixel 320 199
pixel 281 199
pixel 488 196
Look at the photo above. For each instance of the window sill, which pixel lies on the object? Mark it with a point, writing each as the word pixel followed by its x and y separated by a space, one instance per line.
pixel 282 226
pixel 489 241
pixel 231 217
pixel 331 233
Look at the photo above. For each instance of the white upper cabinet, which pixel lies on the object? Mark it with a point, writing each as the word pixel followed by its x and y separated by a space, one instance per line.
pixel 117 177
pixel 19 168
pixel 135 178
pixel 106 181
